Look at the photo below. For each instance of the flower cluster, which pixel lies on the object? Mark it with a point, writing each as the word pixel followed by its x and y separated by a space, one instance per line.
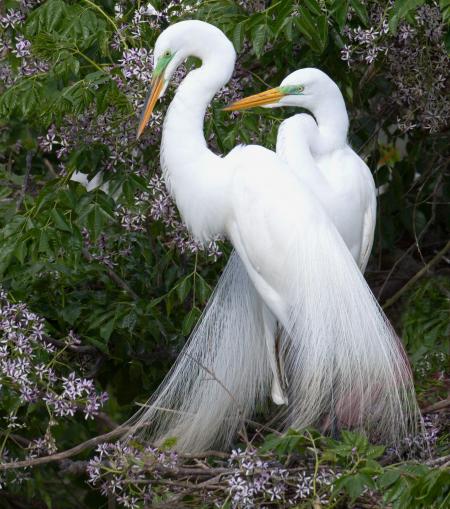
pixel 257 481
pixel 136 475
pixel 120 470
pixel 12 42
pixel 417 64
pixel 33 371
pixel 101 250
pixel 421 445
pixel 253 5
pixel 254 480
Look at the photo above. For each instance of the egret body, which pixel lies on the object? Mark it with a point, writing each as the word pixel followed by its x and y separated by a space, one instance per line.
pixel 316 148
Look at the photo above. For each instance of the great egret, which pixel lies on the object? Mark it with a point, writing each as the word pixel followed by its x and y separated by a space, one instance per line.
pixel 317 151
pixel 341 356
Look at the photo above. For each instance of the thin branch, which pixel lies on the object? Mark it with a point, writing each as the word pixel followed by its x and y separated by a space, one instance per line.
pixel 26 180
pixel 50 168
pixel 417 276
pixel 88 444
pixel 436 407
pixel 438 461
pixel 417 239
pixel 114 277
pixel 73 348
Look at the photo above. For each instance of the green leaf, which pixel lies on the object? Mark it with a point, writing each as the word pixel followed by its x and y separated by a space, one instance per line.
pixel 107 329
pixel 388 478
pixel 445 10
pixel 47 17
pixel 202 289
pixel 322 26
pixel 71 313
pixel 374 451
pixel 238 36
pixel 315 30
pixel 354 485
pixel 97 218
pixel 259 34
pixel 339 9
pixel 360 10
pixel 313 6
pixel 60 221
pixel 100 317
pixel 44 246
pixel 20 251
pixel 184 288
pixel 190 320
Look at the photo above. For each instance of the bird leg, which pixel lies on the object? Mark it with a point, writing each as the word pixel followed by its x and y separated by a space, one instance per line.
pixel 280 360
pixel 272 342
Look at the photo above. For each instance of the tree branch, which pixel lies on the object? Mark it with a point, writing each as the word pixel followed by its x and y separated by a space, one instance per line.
pixel 435 407
pixel 417 276
pixel 26 180
pixel 114 277
pixel 92 442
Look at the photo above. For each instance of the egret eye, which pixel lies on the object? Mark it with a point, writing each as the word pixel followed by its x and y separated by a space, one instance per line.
pixel 167 53
pixel 300 88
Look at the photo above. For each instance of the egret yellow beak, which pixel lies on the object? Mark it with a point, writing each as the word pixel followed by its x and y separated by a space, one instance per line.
pixel 153 96
pixel 268 97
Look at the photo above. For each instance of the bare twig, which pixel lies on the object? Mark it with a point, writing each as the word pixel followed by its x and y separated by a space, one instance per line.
pixel 417 239
pixel 50 168
pixel 417 276
pixel 114 277
pixel 73 348
pixel 438 461
pixel 26 180
pixel 436 407
pixel 88 444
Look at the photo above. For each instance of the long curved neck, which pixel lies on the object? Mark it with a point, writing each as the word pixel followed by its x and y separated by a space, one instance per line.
pixel 296 137
pixel 332 119
pixel 191 170
pixel 183 126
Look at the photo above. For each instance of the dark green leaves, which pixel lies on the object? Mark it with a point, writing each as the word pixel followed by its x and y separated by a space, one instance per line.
pixel 339 9
pixel 259 35
pixel 23 99
pixel 48 17
pixel 360 10
pixel 445 10
pixel 314 29
pixel 73 23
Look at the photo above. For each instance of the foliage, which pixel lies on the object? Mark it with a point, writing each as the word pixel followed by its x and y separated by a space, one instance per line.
pixel 91 241
pixel 298 469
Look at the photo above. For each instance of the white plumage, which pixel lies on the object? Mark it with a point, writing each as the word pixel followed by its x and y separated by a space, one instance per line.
pixel 343 364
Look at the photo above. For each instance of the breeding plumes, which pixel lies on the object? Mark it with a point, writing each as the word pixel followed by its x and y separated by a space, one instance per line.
pixel 342 362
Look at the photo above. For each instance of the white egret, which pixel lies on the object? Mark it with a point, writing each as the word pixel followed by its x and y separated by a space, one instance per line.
pixel 341 356
pixel 316 149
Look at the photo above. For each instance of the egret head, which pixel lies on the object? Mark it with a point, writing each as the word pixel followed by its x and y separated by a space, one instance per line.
pixel 305 88
pixel 174 46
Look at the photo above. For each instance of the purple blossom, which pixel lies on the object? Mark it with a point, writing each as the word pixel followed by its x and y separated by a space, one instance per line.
pixel 26 358
pixel 11 19
pixel 22 47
